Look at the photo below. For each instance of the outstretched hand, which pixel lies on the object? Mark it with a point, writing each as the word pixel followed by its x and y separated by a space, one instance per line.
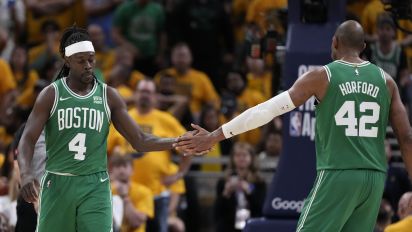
pixel 197 142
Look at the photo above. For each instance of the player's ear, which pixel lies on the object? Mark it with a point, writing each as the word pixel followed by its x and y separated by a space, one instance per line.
pixel 335 42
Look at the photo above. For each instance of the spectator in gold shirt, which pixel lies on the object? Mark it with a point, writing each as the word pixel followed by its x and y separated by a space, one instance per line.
pixel 404 213
pixel 245 98
pixel 152 169
pixel 137 199
pixel 190 82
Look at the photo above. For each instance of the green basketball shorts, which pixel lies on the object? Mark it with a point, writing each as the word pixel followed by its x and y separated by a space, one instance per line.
pixel 75 203
pixel 343 200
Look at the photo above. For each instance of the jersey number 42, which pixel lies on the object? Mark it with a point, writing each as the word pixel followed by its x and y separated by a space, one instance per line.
pixel 346 117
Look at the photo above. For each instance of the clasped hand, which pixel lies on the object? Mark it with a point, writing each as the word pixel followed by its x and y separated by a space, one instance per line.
pixel 195 142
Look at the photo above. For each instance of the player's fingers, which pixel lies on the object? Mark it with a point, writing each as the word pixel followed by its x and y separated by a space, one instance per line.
pixel 199 128
pixel 184 143
pixel 33 192
pixel 27 195
pixel 183 138
pixel 203 152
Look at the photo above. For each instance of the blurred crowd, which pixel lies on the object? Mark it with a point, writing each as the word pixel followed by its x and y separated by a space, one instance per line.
pixel 177 62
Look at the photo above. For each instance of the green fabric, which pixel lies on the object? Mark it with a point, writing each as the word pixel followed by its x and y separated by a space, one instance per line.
pixel 343 200
pixel 141 25
pixel 352 118
pixel 75 203
pixel 76 131
pixel 389 62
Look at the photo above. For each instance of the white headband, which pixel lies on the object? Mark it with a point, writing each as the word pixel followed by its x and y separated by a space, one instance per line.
pixel 83 46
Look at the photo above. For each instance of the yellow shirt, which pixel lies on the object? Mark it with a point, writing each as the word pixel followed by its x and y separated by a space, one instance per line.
pixel 196 85
pixel 404 225
pixel 125 91
pixel 239 9
pixel 215 152
pixel 75 13
pixel 179 186
pixel 142 199
pixel 249 98
pixel 7 81
pixel 5 137
pixel 150 169
pixel 356 7
pixel 36 51
pixel 105 61
pixel 370 15
pixel 26 97
pixel 406 24
pixel 261 84
pixel 135 77
pixel 261 10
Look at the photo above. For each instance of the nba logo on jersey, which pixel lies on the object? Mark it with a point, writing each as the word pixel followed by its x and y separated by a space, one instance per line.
pixel 97 100
pixel 295 125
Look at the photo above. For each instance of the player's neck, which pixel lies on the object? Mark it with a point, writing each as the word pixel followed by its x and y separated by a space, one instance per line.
pixel 78 86
pixel 351 58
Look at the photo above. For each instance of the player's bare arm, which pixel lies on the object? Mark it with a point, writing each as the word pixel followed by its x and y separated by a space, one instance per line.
pixel 34 125
pixel 400 124
pixel 313 83
pixel 130 130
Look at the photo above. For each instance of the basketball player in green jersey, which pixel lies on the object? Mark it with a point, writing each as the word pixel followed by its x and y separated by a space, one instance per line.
pixel 76 111
pixel 355 99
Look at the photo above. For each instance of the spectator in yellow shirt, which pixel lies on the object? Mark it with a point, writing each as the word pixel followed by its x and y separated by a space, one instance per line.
pixel 259 78
pixel 404 213
pixel 265 12
pixel 7 87
pixel 122 76
pixel 152 169
pixel 175 224
pixel 25 77
pixel 369 18
pixel 137 199
pixel 64 12
pixel 48 49
pixel 190 82
pixel 245 98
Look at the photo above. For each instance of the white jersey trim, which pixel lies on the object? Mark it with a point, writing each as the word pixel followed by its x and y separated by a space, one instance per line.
pixel 364 63
pixel 383 74
pixel 77 95
pixel 56 99
pixel 105 103
pixel 61 173
pixel 315 191
pixel 43 179
pixel 328 73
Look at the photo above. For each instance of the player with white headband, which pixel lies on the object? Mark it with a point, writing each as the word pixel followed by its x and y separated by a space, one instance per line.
pixel 76 111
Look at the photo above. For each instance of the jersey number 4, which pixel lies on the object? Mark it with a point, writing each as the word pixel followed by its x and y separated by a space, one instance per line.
pixel 77 144
pixel 346 117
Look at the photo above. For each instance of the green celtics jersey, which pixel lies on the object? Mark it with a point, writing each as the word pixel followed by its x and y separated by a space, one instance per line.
pixel 77 129
pixel 351 119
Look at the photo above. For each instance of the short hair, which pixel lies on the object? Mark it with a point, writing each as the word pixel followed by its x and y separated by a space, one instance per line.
pixel 70 36
pixel 385 19
pixel 351 35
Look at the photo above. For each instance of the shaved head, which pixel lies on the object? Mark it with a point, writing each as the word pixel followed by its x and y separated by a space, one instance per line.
pixel 350 35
